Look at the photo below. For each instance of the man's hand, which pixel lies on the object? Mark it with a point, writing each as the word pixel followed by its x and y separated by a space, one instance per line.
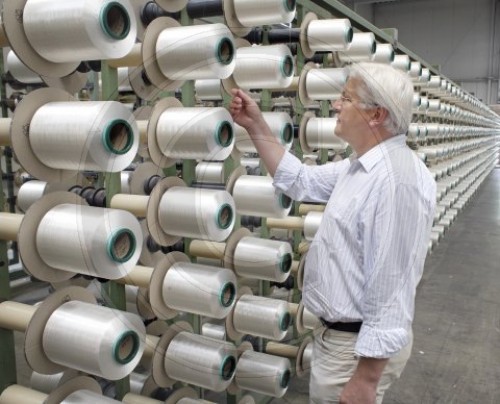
pixel 362 388
pixel 245 110
pixel 358 391
pixel 246 113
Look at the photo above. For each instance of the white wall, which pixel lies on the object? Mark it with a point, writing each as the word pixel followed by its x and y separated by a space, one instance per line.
pixel 454 34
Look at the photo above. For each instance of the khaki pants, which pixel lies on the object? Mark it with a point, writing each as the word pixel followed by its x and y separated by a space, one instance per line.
pixel 334 362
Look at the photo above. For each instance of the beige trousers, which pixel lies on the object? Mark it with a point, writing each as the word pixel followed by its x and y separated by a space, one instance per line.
pixel 334 362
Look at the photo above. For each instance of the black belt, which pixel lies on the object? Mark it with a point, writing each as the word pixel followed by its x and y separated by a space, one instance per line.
pixel 338 326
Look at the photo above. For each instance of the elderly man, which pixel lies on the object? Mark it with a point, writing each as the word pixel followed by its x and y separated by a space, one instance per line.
pixel 368 254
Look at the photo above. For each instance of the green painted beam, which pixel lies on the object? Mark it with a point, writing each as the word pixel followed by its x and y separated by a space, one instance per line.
pixel 7 345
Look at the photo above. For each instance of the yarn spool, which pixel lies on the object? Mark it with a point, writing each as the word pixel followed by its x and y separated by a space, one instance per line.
pixel 197 213
pixel 20 71
pixel 251 13
pixel 29 193
pixel 320 84
pixel 263 259
pixel 82 30
pixel 263 67
pixel 125 333
pixel 363 47
pixel 93 135
pixel 415 70
pixel 402 62
pixel 113 345
pixel 202 361
pixel 100 242
pixel 210 172
pixel 208 90
pixel 263 373
pixel 281 126
pixel 216 331
pixel 195 133
pixel 329 35
pixel 319 133
pixel 255 196
pixel 199 289
pixel 384 53
pixel 311 224
pixel 260 316
pixel 196 52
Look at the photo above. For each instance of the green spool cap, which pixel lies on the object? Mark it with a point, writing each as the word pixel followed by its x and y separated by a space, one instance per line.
pixel 349 35
pixel 224 52
pixel 224 216
pixel 114 20
pixel 285 379
pixel 286 66
pixel 285 201
pixel 121 245
pixel 289 4
pixel 287 133
pixel 285 321
pixel 126 347
pixel 227 367
pixel 286 263
pixel 227 294
pixel 118 136
pixel 224 133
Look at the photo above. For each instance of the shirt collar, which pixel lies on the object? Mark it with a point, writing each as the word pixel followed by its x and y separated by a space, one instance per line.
pixel 376 153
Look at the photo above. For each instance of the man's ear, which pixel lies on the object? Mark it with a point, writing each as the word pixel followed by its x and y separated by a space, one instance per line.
pixel 378 116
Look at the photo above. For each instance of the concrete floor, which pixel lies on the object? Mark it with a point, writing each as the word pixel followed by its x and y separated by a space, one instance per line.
pixel 456 352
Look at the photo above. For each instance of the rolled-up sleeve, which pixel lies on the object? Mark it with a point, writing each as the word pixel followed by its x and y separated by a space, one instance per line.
pixel 397 225
pixel 302 182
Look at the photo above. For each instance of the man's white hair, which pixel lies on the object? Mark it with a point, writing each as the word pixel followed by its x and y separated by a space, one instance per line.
pixel 387 87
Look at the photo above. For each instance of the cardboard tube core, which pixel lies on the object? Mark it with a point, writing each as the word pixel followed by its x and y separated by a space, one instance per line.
pixel 135 204
pixel 19 394
pixel 288 351
pixel 11 222
pixel 207 249
pixel 5 131
pixel 289 223
pixel 139 276
pixel 16 316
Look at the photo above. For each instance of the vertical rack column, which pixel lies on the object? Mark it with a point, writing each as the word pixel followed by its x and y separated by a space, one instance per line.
pixel 7 346
pixel 115 291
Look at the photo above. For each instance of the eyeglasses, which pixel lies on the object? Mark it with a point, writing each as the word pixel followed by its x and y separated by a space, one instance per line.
pixel 344 98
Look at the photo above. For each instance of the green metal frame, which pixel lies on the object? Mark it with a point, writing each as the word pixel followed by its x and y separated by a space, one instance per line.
pixel 115 292
pixel 7 346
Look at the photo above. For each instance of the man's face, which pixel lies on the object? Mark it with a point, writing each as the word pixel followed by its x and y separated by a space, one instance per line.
pixel 352 116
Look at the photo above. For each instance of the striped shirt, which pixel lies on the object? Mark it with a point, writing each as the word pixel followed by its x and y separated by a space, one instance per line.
pixel 368 254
